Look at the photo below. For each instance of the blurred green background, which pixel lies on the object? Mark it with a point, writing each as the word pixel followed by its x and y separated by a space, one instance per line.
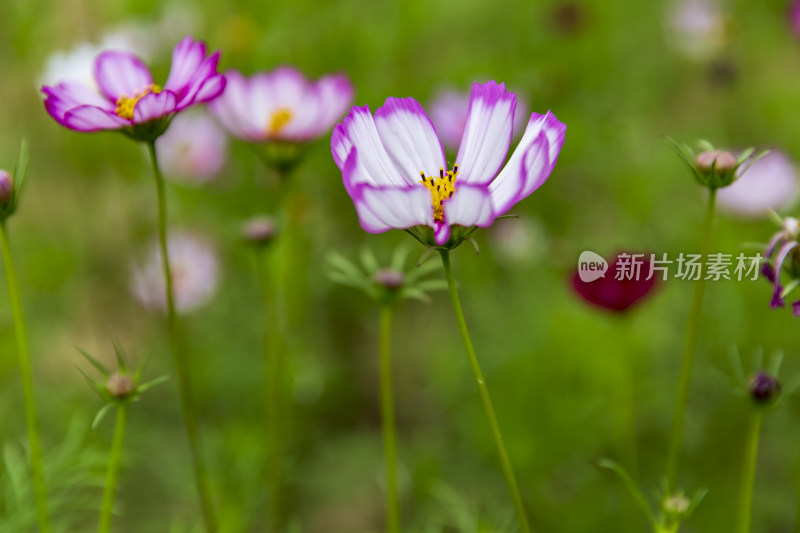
pixel 571 383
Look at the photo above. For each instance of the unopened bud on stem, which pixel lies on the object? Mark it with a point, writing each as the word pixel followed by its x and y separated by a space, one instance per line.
pixel 260 230
pixel 120 385
pixel 6 188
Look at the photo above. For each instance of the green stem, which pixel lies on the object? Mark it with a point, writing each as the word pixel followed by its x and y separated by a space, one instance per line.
pixel 387 416
pixel 31 418
pixel 112 473
pixel 689 350
pixel 749 462
pixel 274 344
pixel 179 352
pixel 505 463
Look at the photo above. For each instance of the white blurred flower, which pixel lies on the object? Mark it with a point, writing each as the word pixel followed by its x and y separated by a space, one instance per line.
pixel 696 27
pixel 769 183
pixel 449 110
pixel 195 274
pixel 520 241
pixel 193 149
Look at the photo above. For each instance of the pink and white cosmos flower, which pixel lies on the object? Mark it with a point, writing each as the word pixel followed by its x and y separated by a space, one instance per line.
pixel 282 105
pixel 394 167
pixel 128 98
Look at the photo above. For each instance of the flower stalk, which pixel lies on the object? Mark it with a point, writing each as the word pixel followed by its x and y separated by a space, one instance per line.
pixel 23 352
pixel 505 462
pixel 179 351
pixel 112 473
pixel 749 461
pixel 388 419
pixel 689 350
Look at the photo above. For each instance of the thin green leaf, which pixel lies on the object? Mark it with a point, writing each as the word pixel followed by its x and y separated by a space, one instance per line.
pixel 631 486
pixel 95 385
pixel 21 167
pixel 369 261
pixel 774 367
pixel 121 363
pixel 399 257
pixel 95 363
pixel 423 269
pixel 792 285
pixel 144 387
pixel 736 364
pixel 344 265
pixel 705 145
pixel 100 414
pixel 138 374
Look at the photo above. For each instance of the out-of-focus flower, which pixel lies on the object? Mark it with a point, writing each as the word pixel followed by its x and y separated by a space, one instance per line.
pixel 449 112
pixel 614 294
pixel 794 16
pixel 195 274
pixel 260 230
pixel 764 388
pixel 522 241
pixel 282 105
pixel 129 100
pixel 771 182
pixel 77 64
pixel 568 17
pixel 697 28
pixel 6 188
pixel 394 167
pixel 11 183
pixel 194 148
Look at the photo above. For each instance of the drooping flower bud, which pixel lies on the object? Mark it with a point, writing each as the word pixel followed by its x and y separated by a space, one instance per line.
pixel 6 188
pixel 389 278
pixel 260 230
pixel 764 388
pixel 120 385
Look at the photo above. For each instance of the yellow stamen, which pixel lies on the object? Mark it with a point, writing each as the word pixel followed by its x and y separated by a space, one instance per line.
pixel 126 104
pixel 441 188
pixel 279 119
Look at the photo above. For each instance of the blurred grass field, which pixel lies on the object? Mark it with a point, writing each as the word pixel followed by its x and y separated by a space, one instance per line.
pixel 571 384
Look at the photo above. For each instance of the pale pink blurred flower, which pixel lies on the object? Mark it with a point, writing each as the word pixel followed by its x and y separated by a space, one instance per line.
pixel 449 111
pixel 520 241
pixel 193 149
pixel 696 27
pixel 771 182
pixel 195 274
pixel 794 16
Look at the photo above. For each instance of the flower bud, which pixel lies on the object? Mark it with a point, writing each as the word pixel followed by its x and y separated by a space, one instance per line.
pixel 389 278
pixel 764 388
pixel 677 504
pixel 723 162
pixel 6 188
pixel 120 385
pixel 260 230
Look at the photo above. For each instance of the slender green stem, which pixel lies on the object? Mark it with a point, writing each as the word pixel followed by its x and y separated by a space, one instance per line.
pixel 749 462
pixel 112 473
pixel 387 417
pixel 272 305
pixel 505 463
pixel 689 350
pixel 179 351
pixel 31 418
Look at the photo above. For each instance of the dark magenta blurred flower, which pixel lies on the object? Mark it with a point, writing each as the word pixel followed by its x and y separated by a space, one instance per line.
pixel 193 149
pixel 794 16
pixel 282 105
pixel 450 110
pixel 764 388
pixel 613 294
pixel 128 98
pixel 394 167
pixel 6 188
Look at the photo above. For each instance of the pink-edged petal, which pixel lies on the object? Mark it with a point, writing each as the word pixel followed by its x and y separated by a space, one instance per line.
pixel 358 132
pixel 207 70
pixel 335 93
pixel 210 89
pixel 89 118
pixel 153 106
pixel 470 205
pixel 409 137
pixel 531 163
pixel 487 134
pixel 381 208
pixel 67 95
pixel 187 56
pixel 441 232
pixel 121 74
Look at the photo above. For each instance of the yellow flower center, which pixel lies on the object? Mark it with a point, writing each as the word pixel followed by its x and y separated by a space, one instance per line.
pixel 126 104
pixel 278 119
pixel 441 189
